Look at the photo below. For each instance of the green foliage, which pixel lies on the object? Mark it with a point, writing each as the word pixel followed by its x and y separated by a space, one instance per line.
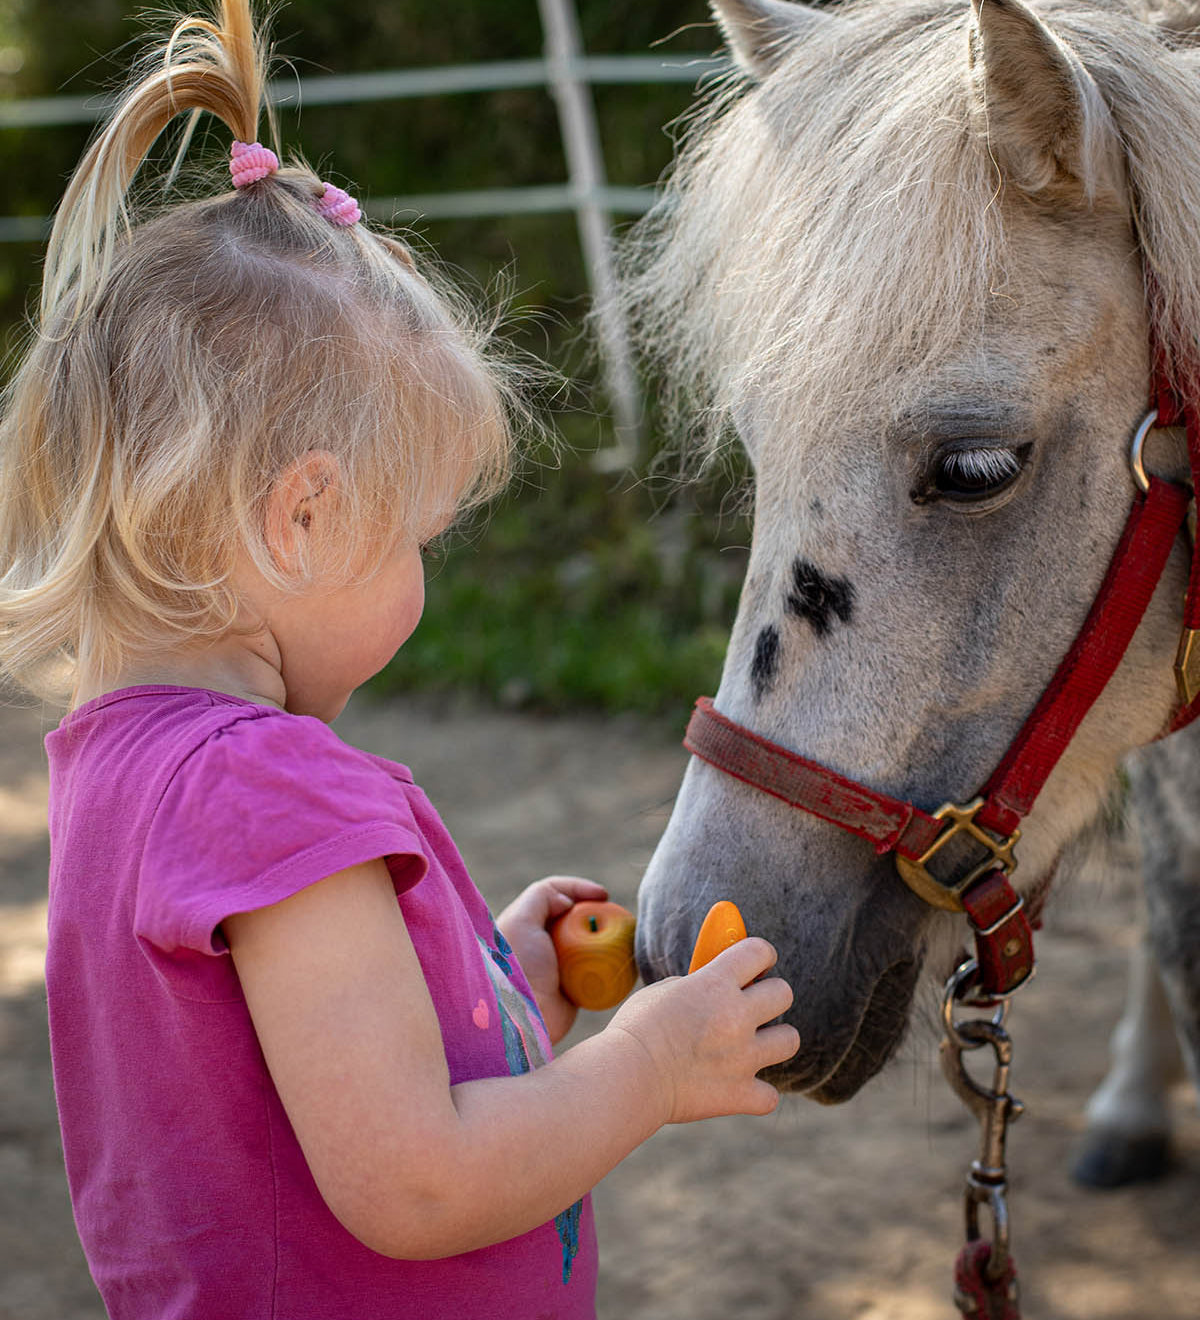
pixel 580 590
pixel 580 587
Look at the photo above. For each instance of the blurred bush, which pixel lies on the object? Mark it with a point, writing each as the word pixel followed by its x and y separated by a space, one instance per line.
pixel 580 587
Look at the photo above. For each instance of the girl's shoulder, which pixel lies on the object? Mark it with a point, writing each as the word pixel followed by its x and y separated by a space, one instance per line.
pixel 200 733
pixel 221 805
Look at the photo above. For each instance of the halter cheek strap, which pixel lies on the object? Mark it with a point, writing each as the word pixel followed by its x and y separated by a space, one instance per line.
pixel 1174 410
pixel 1133 574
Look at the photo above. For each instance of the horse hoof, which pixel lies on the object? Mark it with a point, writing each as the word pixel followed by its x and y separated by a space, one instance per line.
pixel 1114 1159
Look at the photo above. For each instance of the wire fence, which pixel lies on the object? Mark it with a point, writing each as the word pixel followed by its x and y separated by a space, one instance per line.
pixel 394 84
pixel 400 84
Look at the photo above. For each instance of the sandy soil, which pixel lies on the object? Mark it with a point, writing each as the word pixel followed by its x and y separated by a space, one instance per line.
pixel 814 1214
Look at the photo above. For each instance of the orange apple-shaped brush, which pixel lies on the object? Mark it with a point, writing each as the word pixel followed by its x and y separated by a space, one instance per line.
pixel 594 944
pixel 722 927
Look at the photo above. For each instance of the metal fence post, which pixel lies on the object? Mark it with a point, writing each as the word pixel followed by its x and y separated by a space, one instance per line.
pixel 586 175
pixel 569 74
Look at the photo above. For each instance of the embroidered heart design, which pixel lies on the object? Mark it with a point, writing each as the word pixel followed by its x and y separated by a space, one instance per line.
pixel 480 1016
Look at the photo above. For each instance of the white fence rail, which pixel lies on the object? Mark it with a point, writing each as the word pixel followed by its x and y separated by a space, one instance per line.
pixel 568 74
pixel 395 84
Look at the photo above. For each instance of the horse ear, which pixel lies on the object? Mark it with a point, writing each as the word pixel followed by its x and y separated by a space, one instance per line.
pixel 1047 125
pixel 759 32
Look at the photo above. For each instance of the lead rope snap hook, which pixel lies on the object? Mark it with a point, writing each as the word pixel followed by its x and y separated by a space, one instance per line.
pixel 985 1276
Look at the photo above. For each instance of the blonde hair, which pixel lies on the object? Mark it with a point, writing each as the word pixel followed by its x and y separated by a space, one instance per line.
pixel 182 362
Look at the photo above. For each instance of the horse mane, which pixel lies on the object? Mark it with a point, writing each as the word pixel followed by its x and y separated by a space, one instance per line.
pixel 836 231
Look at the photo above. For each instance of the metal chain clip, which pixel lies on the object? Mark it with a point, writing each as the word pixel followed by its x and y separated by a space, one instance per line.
pixel 995 1108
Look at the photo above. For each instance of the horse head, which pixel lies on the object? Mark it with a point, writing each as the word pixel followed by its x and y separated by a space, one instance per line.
pixel 905 256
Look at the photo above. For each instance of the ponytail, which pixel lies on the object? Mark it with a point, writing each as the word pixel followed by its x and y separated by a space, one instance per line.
pixel 218 67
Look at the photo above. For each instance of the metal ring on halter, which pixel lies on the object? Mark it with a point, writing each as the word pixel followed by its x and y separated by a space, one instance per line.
pixel 960 978
pixel 1140 479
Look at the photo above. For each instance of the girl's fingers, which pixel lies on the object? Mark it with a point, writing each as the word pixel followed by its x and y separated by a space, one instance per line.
pixel 769 998
pixel 777 1044
pixel 747 960
pixel 546 899
pixel 576 888
pixel 764 1098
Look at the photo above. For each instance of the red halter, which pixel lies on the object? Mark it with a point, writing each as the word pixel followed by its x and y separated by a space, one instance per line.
pixel 1003 935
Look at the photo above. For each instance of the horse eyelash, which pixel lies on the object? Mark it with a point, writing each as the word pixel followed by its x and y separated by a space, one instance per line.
pixel 990 465
pixel 994 466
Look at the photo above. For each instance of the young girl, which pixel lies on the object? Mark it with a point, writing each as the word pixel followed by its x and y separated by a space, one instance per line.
pixel 300 1071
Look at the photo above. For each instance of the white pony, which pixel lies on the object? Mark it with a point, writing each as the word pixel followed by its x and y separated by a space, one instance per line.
pixel 905 257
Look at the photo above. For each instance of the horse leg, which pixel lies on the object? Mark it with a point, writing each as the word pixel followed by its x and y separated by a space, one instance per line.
pixel 1175 933
pixel 1172 851
pixel 1164 779
pixel 1128 1117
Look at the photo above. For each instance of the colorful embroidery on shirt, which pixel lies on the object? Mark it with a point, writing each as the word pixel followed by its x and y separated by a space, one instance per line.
pixel 520 1021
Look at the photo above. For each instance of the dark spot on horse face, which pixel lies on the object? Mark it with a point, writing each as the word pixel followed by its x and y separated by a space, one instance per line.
pixel 765 664
pixel 815 597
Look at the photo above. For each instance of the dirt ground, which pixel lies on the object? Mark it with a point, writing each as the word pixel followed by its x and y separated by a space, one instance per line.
pixel 813 1214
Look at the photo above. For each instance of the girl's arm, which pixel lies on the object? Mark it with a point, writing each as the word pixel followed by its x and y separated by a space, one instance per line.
pixel 418 1169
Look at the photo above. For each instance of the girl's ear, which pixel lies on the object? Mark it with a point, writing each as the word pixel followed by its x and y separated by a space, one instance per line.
pixel 300 509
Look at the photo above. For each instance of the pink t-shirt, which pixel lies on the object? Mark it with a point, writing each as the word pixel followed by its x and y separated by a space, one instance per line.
pixel 170 809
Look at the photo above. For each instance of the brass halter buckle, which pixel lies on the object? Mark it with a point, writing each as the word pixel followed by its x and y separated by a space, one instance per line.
pixel 947 894
pixel 1187 666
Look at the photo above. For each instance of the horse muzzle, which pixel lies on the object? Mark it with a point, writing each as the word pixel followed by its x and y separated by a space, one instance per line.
pixel 873 1041
pixel 850 948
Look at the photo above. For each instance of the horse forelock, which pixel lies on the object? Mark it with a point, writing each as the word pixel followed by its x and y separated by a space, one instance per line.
pixel 838 231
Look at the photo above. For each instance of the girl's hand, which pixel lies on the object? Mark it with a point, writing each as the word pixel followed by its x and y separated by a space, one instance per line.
pixel 708 1037
pixel 524 924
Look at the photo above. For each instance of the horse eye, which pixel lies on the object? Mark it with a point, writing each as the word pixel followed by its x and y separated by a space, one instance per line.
pixel 972 475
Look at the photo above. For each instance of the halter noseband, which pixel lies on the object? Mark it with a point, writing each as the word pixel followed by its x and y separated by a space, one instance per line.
pixel 983 890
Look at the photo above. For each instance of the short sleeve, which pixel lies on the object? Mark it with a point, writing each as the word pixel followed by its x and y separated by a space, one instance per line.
pixel 267 805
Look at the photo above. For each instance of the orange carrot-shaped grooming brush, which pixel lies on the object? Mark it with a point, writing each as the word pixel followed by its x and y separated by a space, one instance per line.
pixel 722 927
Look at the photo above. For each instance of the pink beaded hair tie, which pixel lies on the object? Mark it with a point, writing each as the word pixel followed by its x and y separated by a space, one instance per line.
pixel 338 207
pixel 250 162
